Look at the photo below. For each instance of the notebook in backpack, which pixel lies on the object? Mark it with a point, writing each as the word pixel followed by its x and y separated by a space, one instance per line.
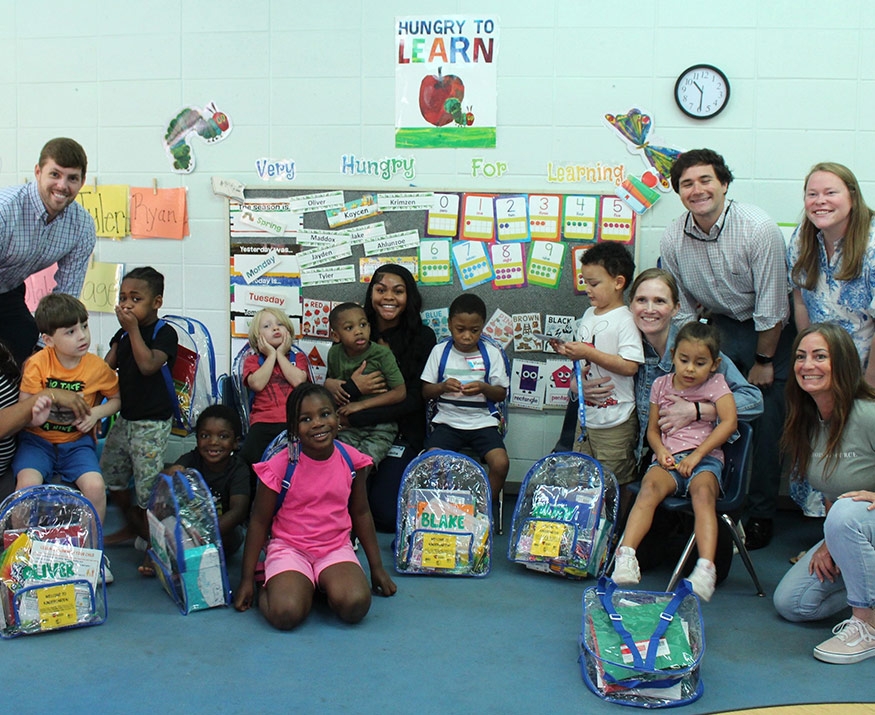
pixel 194 372
pixel 185 544
pixel 51 570
pixel 444 517
pixel 642 648
pixel 565 514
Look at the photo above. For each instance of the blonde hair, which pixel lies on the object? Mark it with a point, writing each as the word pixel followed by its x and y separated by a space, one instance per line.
pixel 281 317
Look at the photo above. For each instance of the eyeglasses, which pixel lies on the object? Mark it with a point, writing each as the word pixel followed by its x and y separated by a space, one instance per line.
pixel 688 225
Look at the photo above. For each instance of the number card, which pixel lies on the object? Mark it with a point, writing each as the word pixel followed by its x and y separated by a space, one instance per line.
pixel 472 263
pixel 443 217
pixel 544 217
pixel 579 220
pixel 512 218
pixel 545 263
pixel 435 264
pixel 508 263
pixel 579 283
pixel 617 222
pixel 478 217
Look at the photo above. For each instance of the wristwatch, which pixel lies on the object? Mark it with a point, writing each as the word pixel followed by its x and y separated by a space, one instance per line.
pixel 763 359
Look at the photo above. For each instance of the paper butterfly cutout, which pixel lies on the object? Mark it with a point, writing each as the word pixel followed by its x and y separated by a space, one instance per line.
pixel 634 128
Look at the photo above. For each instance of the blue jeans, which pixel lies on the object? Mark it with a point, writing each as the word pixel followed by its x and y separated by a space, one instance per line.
pixel 849 531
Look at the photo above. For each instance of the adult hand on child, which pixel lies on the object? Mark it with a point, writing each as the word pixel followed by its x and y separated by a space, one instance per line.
pixel 371 384
pixel 69 400
pixel 598 390
pixel 677 415
pixel 860 495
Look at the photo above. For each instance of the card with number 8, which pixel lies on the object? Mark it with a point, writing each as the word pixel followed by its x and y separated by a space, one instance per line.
pixel 508 263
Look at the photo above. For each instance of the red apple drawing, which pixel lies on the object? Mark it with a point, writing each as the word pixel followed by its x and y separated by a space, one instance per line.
pixel 434 91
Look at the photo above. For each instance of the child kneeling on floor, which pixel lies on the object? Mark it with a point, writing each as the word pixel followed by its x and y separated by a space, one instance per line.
pixel 309 522
pixel 687 461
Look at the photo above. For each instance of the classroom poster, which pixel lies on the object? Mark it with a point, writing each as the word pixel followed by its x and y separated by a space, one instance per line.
pixel 445 81
pixel 263 276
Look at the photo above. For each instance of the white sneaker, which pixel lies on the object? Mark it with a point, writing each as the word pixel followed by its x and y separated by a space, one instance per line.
pixel 108 578
pixel 626 570
pixel 854 640
pixel 703 579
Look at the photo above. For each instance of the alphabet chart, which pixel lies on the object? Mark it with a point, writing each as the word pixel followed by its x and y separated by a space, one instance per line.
pixel 545 263
pixel 443 217
pixel 579 221
pixel 544 217
pixel 508 262
pixel 472 263
pixel 478 217
pixel 617 222
pixel 435 264
pixel 512 218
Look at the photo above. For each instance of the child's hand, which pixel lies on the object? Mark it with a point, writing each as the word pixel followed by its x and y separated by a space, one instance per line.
pixel 688 464
pixel 265 348
pixel 286 344
pixel 472 388
pixel 72 401
pixel 575 350
pixel 126 319
pixel 666 460
pixel 244 593
pixel 349 409
pixel 86 424
pixel 382 583
pixel 452 384
pixel 40 410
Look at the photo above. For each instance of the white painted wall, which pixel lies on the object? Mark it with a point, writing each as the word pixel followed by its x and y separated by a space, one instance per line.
pixel 311 81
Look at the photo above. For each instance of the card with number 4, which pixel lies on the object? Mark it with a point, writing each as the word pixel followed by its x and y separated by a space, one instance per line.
pixel 545 263
pixel 472 263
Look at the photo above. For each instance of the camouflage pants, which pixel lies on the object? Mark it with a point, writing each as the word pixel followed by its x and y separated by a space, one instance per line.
pixel 135 448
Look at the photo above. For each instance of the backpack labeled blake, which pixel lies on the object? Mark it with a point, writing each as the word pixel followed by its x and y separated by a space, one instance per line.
pixel 444 517
pixel 565 515
pixel 642 648
pixel 185 544
pixel 52 566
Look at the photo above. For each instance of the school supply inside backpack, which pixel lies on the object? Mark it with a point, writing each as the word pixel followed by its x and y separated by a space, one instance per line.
pixel 444 517
pixel 565 515
pixel 185 543
pixel 51 569
pixel 642 648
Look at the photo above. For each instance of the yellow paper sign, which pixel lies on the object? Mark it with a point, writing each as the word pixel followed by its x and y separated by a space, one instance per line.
pixel 439 551
pixel 160 213
pixel 101 287
pixel 547 538
pixel 108 206
pixel 57 606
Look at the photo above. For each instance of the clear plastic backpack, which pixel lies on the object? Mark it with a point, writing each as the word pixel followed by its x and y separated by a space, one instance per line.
pixel 51 570
pixel 185 544
pixel 565 515
pixel 444 517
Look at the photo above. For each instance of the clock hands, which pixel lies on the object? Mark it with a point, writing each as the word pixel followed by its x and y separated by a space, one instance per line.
pixel 701 95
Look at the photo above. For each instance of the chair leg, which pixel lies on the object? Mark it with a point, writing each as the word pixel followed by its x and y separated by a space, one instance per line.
pixel 743 552
pixel 682 561
pixel 499 518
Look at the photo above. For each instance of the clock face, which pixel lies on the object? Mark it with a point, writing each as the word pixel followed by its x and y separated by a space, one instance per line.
pixel 702 91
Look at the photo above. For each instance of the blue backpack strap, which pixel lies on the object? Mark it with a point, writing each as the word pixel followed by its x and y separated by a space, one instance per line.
pixel 581 405
pixel 165 373
pixel 290 470
pixel 481 345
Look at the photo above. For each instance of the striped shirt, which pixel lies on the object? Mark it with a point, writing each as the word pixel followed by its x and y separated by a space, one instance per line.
pixel 8 397
pixel 30 242
pixel 737 269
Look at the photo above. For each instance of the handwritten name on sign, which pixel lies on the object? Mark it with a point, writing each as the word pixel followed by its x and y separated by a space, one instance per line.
pixel 108 206
pixel 159 214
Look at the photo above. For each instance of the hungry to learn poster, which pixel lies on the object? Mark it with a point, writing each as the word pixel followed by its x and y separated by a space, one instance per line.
pixel 445 81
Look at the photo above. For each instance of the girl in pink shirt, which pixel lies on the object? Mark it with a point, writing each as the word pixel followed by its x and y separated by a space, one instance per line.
pixel 687 461
pixel 309 521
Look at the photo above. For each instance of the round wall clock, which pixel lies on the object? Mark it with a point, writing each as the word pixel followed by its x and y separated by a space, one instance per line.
pixel 702 91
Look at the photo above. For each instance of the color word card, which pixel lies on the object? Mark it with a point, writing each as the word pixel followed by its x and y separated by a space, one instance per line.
pixel 512 218
pixel 508 262
pixel 579 221
pixel 443 217
pixel 435 264
pixel 545 263
pixel 478 218
pixel 617 222
pixel 472 263
pixel 544 217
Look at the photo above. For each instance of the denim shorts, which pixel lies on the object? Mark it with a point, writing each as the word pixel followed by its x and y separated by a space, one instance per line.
pixel 708 464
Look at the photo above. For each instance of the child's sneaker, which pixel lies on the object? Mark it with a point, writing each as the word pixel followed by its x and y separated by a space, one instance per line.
pixel 107 578
pixel 626 570
pixel 704 579
pixel 854 640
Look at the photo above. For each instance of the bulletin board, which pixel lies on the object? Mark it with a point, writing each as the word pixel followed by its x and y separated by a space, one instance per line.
pixel 364 228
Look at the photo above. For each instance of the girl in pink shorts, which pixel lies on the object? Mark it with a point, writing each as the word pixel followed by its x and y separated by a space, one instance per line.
pixel 310 520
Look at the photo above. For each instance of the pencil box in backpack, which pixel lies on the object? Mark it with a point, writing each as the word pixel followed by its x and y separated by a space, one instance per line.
pixel 185 544
pixel 564 517
pixel 642 648
pixel 444 517
pixel 51 570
